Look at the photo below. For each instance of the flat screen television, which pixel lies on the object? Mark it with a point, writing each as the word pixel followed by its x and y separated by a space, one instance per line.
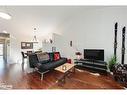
pixel 94 54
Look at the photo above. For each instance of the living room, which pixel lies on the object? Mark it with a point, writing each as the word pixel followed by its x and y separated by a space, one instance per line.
pixel 65 30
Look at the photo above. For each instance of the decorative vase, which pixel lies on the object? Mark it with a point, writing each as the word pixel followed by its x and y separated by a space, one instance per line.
pixel 64 67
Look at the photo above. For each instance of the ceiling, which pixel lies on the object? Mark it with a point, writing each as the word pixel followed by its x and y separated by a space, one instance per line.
pixel 47 19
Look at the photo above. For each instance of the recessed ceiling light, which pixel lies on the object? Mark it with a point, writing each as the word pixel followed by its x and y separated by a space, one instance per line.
pixel 5 16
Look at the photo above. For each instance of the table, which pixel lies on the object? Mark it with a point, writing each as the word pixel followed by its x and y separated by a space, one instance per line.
pixel 66 69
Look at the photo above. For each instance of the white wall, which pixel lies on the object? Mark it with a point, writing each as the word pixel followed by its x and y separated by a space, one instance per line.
pixel 87 27
pixel 15 49
pixel 93 29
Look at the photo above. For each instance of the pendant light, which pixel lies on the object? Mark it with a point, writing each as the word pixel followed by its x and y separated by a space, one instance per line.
pixel 35 40
pixel 5 16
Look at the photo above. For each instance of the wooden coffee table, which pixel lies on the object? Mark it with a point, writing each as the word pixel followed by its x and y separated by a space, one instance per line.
pixel 66 69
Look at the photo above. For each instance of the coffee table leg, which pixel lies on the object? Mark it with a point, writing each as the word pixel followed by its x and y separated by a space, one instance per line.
pixel 64 79
pixel 74 69
pixel 61 81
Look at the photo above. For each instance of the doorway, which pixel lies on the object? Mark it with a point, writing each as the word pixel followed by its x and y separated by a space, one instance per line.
pixel 4 46
pixel 1 50
pixel 2 61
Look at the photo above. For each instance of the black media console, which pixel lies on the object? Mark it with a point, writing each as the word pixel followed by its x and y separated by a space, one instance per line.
pixel 94 65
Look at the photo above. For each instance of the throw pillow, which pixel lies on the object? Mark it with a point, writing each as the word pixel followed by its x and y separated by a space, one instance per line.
pixel 43 57
pixel 56 56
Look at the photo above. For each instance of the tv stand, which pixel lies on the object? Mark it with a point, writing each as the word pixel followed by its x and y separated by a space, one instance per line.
pixel 93 65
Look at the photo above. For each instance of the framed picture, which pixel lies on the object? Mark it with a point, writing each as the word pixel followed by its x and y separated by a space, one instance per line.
pixel 23 44
pixel 26 45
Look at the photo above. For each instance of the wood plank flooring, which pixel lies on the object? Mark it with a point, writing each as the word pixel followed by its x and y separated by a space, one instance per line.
pixel 19 78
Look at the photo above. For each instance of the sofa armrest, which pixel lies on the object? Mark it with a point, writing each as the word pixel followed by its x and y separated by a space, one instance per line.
pixel 37 65
pixel 33 60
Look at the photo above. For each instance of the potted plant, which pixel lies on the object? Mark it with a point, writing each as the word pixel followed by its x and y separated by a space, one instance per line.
pixel 112 62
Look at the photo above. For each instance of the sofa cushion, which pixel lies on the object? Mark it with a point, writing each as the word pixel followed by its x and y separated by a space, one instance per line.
pixel 43 57
pixel 56 56
pixel 52 65
pixel 37 65
pixel 51 56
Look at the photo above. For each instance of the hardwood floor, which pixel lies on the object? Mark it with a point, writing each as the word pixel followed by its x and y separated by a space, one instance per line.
pixel 86 80
pixel 19 78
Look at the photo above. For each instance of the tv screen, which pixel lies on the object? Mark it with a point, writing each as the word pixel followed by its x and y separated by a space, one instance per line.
pixel 94 54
